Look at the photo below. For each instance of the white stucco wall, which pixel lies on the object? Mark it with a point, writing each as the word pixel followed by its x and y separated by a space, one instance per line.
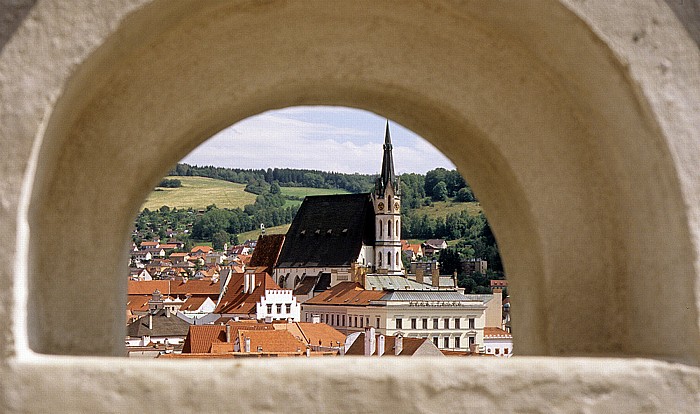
pixel 584 116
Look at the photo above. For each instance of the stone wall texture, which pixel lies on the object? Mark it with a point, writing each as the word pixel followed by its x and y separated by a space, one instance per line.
pixel 577 124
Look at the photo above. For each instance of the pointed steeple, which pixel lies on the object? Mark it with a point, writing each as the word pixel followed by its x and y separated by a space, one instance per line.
pixel 387 175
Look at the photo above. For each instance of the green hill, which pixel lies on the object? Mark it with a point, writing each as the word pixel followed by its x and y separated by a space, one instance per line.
pixel 443 208
pixel 199 192
pixel 253 234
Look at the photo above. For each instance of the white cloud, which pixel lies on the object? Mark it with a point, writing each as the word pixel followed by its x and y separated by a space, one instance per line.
pixel 315 138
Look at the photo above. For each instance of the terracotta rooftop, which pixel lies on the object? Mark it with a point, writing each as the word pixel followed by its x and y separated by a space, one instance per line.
pixel 193 303
pixel 137 303
pixel 235 302
pixel 347 294
pixel 202 249
pixel 314 333
pixel 496 333
pixel 172 287
pixel 201 337
pixel 271 341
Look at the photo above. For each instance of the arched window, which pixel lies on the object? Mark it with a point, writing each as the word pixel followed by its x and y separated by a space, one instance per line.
pixel 379 259
pixel 388 258
pixel 388 228
pixel 397 258
pixel 398 229
pixel 381 229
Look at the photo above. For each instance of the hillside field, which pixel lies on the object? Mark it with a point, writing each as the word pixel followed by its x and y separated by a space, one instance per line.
pixel 199 192
pixel 253 234
pixel 443 208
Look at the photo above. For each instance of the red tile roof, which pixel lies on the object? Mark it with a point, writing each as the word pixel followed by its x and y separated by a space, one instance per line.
pixel 347 294
pixel 235 302
pixel 173 287
pixel 271 341
pixel 193 303
pixel 202 249
pixel 313 333
pixel 136 303
pixel 490 332
pixel 201 337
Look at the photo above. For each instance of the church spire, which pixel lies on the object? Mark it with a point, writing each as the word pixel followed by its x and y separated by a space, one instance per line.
pixel 387 177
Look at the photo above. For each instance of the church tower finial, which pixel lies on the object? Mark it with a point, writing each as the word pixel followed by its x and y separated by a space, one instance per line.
pixel 388 177
pixel 387 215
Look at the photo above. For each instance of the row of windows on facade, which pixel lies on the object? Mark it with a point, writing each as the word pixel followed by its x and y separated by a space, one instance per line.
pixel 388 258
pixel 360 322
pixel 287 308
pixel 388 228
pixel 436 323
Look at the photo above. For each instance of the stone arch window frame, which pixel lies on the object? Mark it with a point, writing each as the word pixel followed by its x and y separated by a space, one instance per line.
pixel 581 11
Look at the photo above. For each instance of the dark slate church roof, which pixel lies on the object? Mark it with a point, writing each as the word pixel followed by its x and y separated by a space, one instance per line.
pixel 329 231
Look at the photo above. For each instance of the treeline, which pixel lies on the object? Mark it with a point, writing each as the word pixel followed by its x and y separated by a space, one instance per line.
pixel 170 183
pixel 222 225
pixel 216 225
pixel 259 181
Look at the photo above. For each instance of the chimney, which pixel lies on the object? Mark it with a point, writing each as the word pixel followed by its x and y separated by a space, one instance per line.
pixel 420 272
pixel 252 282
pixel 398 344
pixel 246 283
pixel 436 276
pixel 150 321
pixel 247 345
pixel 370 341
pixel 380 345
pixel 228 333
pixel 308 352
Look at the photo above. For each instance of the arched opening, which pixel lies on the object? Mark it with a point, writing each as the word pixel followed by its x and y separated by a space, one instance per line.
pixel 542 127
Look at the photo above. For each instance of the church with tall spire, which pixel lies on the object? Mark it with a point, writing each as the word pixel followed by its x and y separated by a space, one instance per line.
pixel 337 238
pixel 386 199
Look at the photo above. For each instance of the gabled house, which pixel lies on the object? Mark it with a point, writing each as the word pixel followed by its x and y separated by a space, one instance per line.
pixel 139 274
pixel 161 327
pixel 200 250
pixel 433 246
pixel 179 257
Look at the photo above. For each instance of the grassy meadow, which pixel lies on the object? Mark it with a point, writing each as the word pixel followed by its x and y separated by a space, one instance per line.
pixel 443 208
pixel 253 234
pixel 199 192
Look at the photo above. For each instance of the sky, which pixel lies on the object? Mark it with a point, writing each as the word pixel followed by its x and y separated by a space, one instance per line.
pixel 322 138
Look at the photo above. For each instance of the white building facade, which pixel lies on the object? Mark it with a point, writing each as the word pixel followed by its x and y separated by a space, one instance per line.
pixel 451 320
pixel 279 304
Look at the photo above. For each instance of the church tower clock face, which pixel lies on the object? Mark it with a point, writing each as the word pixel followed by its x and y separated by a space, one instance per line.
pixel 396 206
pixel 380 206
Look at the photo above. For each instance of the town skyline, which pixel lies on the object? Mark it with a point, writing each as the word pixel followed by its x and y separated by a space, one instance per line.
pixel 325 138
